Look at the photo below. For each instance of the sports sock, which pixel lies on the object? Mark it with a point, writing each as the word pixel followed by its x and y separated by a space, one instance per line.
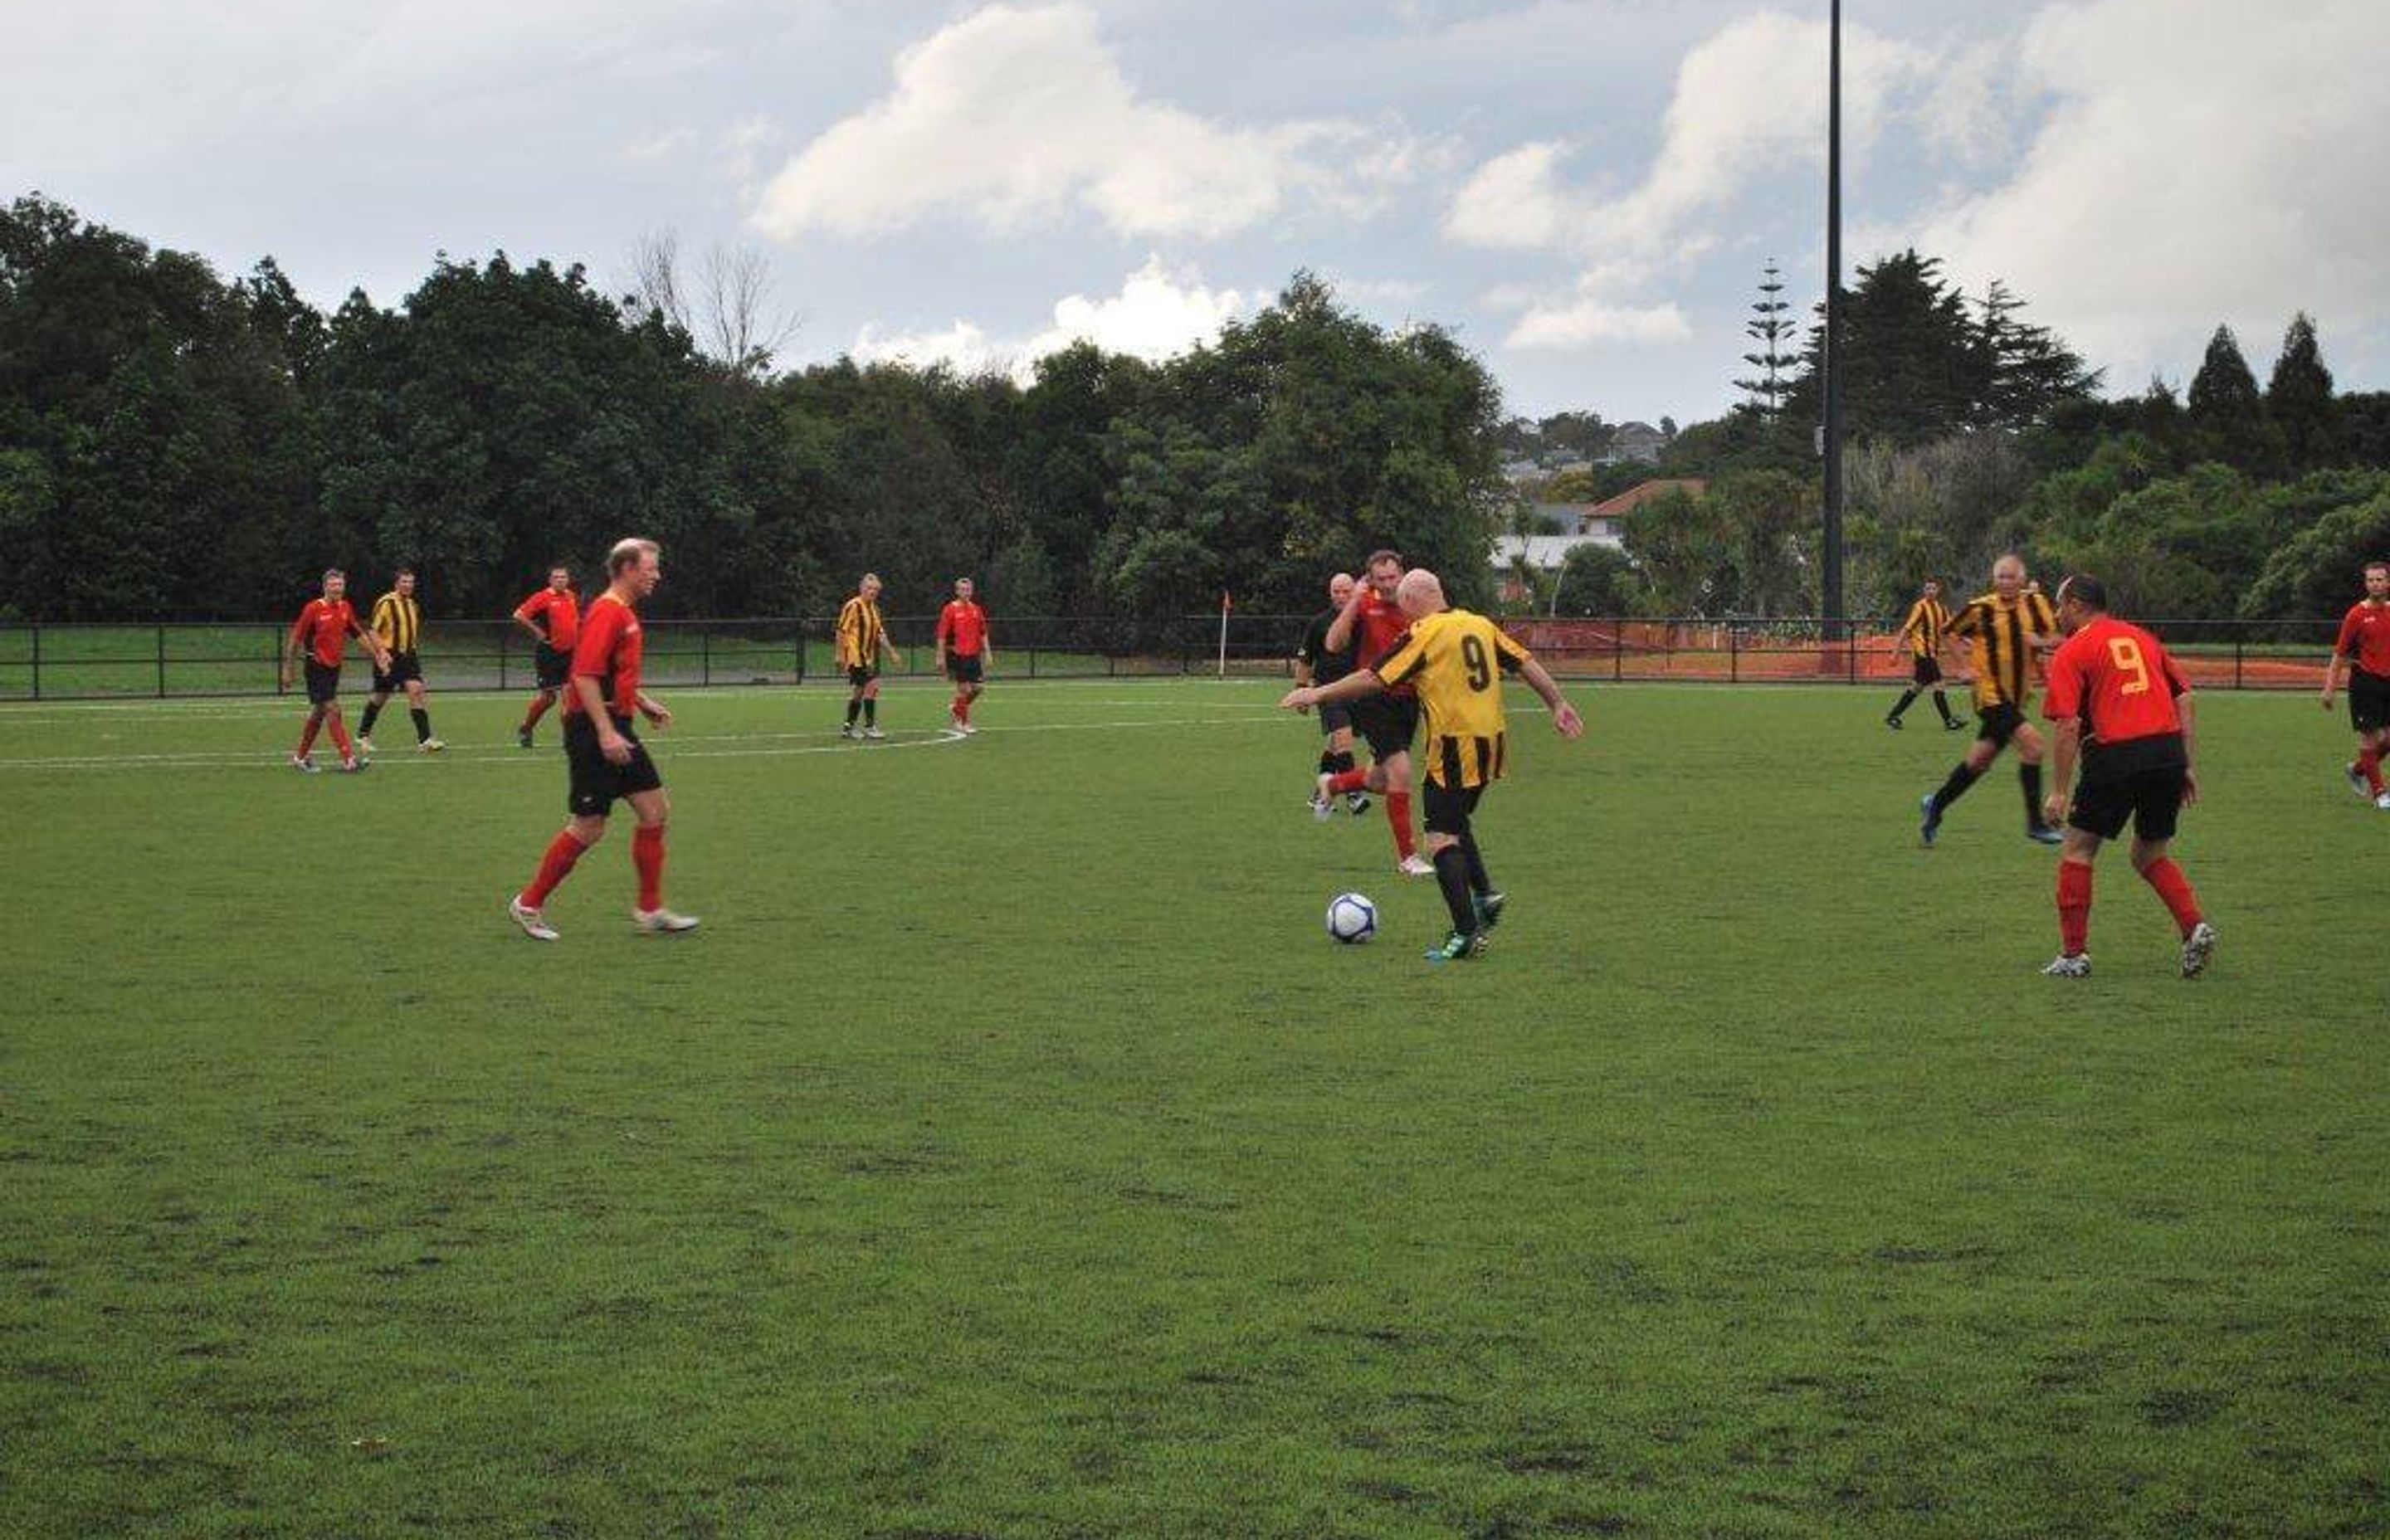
pixel 558 860
pixel 2369 764
pixel 1902 704
pixel 871 711
pixel 1348 780
pixel 340 738
pixel 1478 881
pixel 854 709
pixel 1942 704
pixel 2029 777
pixel 2074 906
pixel 2174 890
pixel 365 722
pixel 539 705
pixel 648 856
pixel 307 735
pixel 1955 787
pixel 1398 813
pixel 423 723
pixel 1452 876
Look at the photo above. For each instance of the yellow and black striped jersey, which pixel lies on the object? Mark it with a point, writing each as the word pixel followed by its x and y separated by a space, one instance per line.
pixel 1456 659
pixel 398 620
pixel 1928 618
pixel 858 633
pixel 2002 632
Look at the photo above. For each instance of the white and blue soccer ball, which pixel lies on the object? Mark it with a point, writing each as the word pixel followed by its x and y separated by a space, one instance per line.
pixel 1352 918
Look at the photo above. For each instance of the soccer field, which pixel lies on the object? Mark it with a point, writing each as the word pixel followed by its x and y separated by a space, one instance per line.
pixel 1011 1155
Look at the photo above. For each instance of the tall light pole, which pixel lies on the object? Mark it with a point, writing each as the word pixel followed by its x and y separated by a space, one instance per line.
pixel 1830 355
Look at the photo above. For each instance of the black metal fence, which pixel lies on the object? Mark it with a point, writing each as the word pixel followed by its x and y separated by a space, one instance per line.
pixel 85 661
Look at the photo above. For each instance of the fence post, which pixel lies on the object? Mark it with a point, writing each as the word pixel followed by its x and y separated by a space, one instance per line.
pixel 2236 663
pixel 1733 654
pixel 1617 649
pixel 504 640
pixel 705 659
pixel 161 660
pixel 37 659
pixel 1851 652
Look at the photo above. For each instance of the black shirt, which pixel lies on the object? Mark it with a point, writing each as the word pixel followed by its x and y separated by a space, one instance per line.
pixel 1326 667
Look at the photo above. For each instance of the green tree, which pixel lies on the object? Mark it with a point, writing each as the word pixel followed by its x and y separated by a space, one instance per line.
pixel 2227 417
pixel 1772 334
pixel 2298 399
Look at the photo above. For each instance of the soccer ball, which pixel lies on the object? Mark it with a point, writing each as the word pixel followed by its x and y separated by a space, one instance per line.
pixel 1352 918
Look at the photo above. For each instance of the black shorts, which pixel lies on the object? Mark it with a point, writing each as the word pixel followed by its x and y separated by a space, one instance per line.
pixel 861 674
pixel 1998 722
pixel 323 683
pixel 1448 808
pixel 2150 794
pixel 596 780
pixel 1334 716
pixel 1926 671
pixel 1388 722
pixel 2369 702
pixel 554 669
pixel 404 667
pixel 962 670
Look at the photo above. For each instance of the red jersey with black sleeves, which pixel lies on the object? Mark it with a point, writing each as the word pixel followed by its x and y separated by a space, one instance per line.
pixel 2118 680
pixel 608 650
pixel 557 615
pixel 322 630
pixel 2365 635
pixel 962 626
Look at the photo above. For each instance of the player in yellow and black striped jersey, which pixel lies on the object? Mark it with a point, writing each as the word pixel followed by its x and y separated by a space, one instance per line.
pixel 2010 629
pixel 398 620
pixel 1455 660
pixel 1922 634
pixel 862 640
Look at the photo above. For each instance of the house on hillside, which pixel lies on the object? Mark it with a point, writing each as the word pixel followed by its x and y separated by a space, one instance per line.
pixel 1637 442
pixel 1602 523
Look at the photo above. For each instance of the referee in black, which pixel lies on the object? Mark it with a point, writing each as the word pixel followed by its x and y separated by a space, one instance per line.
pixel 398 620
pixel 1314 664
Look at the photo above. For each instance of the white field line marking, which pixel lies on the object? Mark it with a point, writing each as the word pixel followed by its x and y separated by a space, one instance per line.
pixel 278 760
pixel 278 708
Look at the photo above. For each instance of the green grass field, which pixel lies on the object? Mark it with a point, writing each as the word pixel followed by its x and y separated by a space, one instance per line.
pixel 1010 1155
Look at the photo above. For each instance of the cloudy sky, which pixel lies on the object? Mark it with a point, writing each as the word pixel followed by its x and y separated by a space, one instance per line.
pixel 1584 191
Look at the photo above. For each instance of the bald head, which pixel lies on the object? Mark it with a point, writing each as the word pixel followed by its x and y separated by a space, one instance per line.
pixel 1421 593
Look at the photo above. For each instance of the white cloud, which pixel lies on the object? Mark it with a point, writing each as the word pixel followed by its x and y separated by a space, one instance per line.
pixel 652 149
pixel 1588 321
pixel 1158 313
pixel 1020 116
pixel 1514 201
pixel 2202 164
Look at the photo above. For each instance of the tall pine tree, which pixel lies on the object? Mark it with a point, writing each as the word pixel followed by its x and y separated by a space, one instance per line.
pixel 2298 399
pixel 1773 362
pixel 2228 417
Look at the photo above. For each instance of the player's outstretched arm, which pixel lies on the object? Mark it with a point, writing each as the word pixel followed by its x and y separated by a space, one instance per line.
pixel 1564 717
pixel 1352 686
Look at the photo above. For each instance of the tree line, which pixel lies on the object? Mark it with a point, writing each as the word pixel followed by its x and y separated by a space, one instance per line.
pixel 1974 432
pixel 176 445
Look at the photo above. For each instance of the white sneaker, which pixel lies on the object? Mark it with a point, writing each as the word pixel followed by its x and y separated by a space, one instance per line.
pixel 847 730
pixel 2356 779
pixel 2076 967
pixel 1415 865
pixel 2197 947
pixel 2383 801
pixel 661 921
pixel 1322 807
pixel 873 732
pixel 966 729
pixel 364 746
pixel 307 762
pixel 533 923
pixel 432 745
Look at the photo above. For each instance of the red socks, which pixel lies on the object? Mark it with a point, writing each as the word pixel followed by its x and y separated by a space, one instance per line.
pixel 2369 764
pixel 1398 813
pixel 340 738
pixel 648 856
pixel 2074 908
pixel 562 851
pixel 2174 890
pixel 1347 781
pixel 307 736
pixel 962 709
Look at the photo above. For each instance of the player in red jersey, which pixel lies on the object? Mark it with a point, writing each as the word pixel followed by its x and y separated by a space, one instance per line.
pixel 2363 646
pixel 601 744
pixel 552 616
pixel 2120 703
pixel 1372 623
pixel 322 631
pixel 964 654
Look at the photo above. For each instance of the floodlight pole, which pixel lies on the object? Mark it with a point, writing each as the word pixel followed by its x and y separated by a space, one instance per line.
pixel 1831 364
